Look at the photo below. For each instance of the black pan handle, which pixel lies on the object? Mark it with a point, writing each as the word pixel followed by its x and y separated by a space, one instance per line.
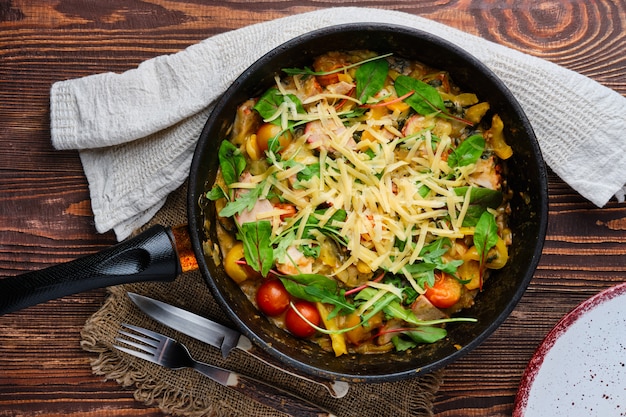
pixel 150 256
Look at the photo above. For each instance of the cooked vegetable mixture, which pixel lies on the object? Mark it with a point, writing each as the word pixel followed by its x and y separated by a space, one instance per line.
pixel 361 202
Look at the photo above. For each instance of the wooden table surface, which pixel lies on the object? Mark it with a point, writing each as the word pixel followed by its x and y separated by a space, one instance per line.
pixel 45 215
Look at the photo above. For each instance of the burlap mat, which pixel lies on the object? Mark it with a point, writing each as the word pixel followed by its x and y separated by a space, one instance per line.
pixel 188 393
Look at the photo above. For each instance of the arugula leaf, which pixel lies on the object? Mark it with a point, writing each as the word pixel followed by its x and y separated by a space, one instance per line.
pixel 468 152
pixel 245 201
pixel 309 172
pixel 425 100
pixel 368 293
pixel 257 248
pixel 480 200
pixel 432 259
pixel 326 297
pixel 232 162
pixel 271 101
pixel 423 273
pixel 408 293
pixel 280 252
pixel 370 79
pixel 333 232
pixel 312 251
pixel 395 309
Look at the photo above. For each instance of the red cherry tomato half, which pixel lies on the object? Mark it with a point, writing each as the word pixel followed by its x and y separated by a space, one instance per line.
pixel 296 325
pixel 272 297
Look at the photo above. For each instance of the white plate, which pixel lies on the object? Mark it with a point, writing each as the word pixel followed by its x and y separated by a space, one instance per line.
pixel 580 367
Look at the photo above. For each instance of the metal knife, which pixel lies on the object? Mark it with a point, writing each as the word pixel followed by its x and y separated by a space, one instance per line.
pixel 220 336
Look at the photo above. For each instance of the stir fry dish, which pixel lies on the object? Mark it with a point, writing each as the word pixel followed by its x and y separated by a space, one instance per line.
pixel 362 202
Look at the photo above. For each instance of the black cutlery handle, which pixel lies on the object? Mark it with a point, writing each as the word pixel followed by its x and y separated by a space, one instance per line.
pixel 263 392
pixel 150 256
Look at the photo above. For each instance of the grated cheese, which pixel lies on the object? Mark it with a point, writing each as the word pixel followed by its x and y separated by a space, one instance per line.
pixel 393 188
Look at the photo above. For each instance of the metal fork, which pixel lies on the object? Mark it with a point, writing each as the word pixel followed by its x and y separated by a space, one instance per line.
pixel 165 351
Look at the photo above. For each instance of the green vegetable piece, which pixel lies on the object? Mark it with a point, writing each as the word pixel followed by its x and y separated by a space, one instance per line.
pixel 402 344
pixel 272 100
pixel 480 200
pixel 370 79
pixel 425 99
pixel 432 259
pixel 245 201
pixel 257 249
pixel 216 193
pixel 329 230
pixel 427 334
pixel 468 152
pixel 309 172
pixel 232 162
pixel 314 288
pixel 485 234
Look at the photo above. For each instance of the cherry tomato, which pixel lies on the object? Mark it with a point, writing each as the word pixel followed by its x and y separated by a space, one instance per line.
pixel 272 297
pixel 445 292
pixel 296 325
pixel 267 132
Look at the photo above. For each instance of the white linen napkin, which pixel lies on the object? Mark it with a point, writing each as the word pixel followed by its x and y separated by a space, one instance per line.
pixel 136 131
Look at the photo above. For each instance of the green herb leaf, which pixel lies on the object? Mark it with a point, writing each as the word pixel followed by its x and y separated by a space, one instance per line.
pixel 245 201
pixel 401 344
pixel 316 288
pixel 304 280
pixel 380 305
pixel 329 229
pixel 309 172
pixel 485 234
pixel 312 251
pixel 395 309
pixel 257 249
pixel 232 162
pixel 216 193
pixel 408 339
pixel 327 297
pixel 271 101
pixel 425 100
pixel 370 79
pixel 280 252
pixel 468 152
pixel 432 259
pixel 480 200
pixel 427 334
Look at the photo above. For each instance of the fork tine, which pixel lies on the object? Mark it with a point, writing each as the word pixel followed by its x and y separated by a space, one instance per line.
pixel 147 341
pixel 146 332
pixel 141 355
pixel 150 347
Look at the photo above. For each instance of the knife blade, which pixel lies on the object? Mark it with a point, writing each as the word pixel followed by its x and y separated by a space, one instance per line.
pixel 220 336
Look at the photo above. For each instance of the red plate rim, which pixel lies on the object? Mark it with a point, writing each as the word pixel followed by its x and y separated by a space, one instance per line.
pixel 533 367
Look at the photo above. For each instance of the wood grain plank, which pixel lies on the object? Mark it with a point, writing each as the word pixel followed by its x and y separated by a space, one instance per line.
pixel 44 201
